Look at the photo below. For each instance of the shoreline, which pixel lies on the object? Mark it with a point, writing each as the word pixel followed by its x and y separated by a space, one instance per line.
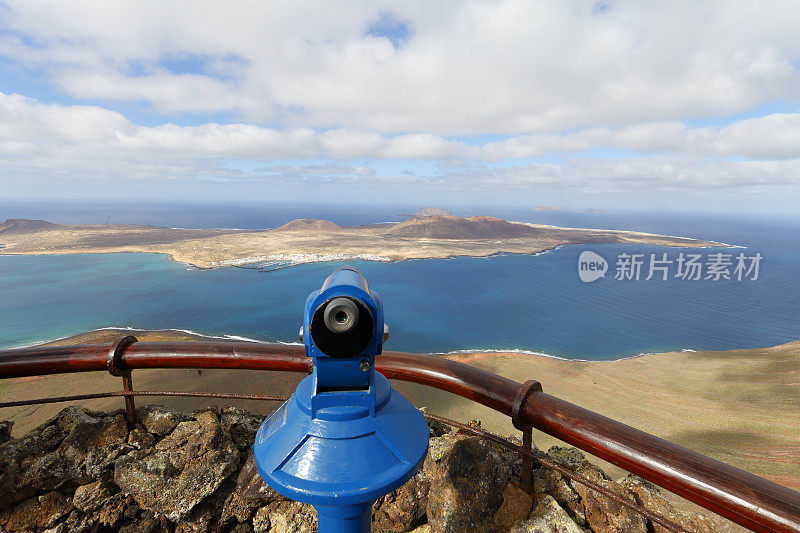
pixel 472 353
pixel 196 335
pixel 313 258
pixel 632 233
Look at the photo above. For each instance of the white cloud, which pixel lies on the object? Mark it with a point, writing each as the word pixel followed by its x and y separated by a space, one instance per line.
pixel 556 81
pixel 24 120
pixel 220 140
pixel 663 173
pixel 87 140
pixel 470 67
pixel 167 92
pixel 775 136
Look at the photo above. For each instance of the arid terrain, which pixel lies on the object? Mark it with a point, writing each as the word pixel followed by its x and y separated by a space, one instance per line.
pixel 303 240
pixel 738 406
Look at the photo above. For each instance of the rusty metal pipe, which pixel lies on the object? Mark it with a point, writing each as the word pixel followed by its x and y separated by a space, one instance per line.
pixel 39 361
pixel 747 499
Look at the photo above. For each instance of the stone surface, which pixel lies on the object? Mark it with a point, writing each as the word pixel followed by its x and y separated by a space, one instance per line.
pixel 90 497
pixel 87 472
pixel 110 513
pixel 467 486
pixel 147 523
pixel 183 468
pixel 404 508
pixel 198 521
pixel 236 509
pixel 547 517
pixel 141 439
pixel 291 517
pixel 5 430
pixel 39 512
pixel 159 420
pixel 516 507
pixel 251 488
pixel 649 496
pixel 261 521
pixel 605 515
pixel 242 426
pixel 49 457
pixel 588 507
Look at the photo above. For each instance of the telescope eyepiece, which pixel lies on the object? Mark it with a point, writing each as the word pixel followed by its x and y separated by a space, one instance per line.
pixel 342 327
pixel 341 315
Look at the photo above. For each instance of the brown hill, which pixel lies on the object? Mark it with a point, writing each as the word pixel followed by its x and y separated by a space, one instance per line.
pixel 452 227
pixel 308 224
pixel 17 226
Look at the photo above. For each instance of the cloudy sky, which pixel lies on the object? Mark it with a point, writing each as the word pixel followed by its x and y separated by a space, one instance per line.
pixel 674 105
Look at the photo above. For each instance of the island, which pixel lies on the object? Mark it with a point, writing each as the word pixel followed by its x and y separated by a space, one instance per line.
pixel 308 240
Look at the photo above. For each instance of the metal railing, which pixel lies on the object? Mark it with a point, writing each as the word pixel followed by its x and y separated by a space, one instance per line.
pixel 742 497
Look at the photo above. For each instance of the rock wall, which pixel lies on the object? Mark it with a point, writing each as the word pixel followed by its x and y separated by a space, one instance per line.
pixel 85 471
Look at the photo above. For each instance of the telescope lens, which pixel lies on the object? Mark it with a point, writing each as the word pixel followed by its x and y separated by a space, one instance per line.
pixel 342 327
pixel 341 315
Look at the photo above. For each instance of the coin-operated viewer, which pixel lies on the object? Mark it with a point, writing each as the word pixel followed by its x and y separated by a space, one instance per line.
pixel 345 437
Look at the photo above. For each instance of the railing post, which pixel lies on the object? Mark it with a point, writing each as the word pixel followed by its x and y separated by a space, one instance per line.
pixel 116 368
pixel 517 418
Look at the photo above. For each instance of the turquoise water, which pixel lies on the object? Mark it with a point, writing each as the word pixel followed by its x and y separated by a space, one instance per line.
pixel 533 303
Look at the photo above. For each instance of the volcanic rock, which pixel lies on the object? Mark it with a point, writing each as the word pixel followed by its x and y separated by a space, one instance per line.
pixel 177 472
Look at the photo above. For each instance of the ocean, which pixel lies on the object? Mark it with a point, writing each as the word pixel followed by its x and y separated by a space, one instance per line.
pixel 530 303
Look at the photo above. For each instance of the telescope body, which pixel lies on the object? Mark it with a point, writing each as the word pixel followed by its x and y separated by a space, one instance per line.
pixel 345 437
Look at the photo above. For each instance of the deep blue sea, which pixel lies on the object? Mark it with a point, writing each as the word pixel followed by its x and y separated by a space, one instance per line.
pixel 526 302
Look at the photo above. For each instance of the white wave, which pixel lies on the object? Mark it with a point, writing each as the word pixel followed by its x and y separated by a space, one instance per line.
pixel 549 250
pixel 468 351
pixel 520 351
pixel 465 351
pixel 176 330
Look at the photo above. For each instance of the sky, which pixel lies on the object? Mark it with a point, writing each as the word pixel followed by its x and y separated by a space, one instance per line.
pixel 689 105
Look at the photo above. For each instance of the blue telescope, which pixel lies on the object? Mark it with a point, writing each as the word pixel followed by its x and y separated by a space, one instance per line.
pixel 344 438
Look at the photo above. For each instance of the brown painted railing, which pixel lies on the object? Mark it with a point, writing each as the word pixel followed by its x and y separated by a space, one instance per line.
pixel 747 499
